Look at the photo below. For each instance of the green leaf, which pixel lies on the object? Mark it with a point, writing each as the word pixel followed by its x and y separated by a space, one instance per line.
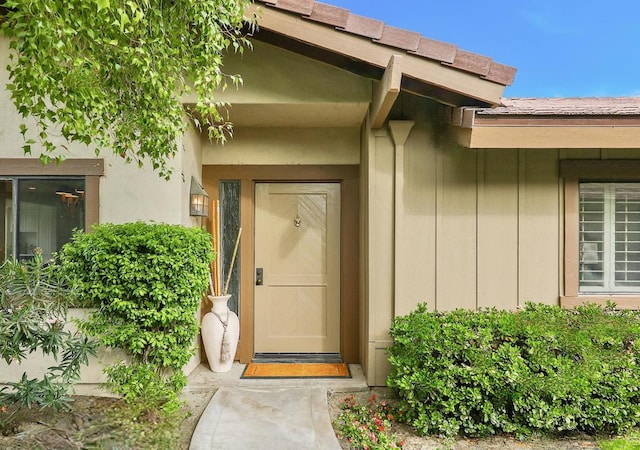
pixel 102 4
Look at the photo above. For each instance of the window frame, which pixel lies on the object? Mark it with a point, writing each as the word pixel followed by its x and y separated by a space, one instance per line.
pixel 91 169
pixel 574 172
pixel 16 181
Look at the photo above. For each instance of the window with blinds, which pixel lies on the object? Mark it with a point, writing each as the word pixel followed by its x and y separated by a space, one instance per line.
pixel 609 233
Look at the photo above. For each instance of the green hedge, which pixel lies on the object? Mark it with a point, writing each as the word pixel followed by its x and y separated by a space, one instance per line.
pixel 147 281
pixel 543 369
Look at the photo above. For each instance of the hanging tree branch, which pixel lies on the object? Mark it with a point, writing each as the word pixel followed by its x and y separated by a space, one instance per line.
pixel 111 74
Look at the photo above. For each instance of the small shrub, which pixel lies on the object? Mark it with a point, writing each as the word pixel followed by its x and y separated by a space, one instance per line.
pixel 33 314
pixel 128 428
pixel 147 281
pixel 366 426
pixel 541 370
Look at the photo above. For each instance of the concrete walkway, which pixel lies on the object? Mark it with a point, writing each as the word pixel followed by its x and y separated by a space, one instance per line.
pixel 267 414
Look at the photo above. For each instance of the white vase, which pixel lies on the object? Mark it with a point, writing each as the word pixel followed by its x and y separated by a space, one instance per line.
pixel 213 332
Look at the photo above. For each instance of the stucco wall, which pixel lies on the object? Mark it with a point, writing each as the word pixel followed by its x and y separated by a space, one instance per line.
pixel 35 364
pixel 127 193
pixel 288 146
pixel 274 76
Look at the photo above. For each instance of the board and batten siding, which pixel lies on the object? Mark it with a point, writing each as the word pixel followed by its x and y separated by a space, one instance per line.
pixel 477 229
pixel 480 228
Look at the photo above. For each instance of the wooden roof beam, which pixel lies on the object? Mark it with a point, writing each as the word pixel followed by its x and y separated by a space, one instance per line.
pixel 386 92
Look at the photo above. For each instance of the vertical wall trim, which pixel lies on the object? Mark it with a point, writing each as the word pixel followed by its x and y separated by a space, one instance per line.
pixel 400 130
pixel 571 237
pixel 480 188
pixel 438 219
pixel 522 157
pixel 561 229
pixel 92 201
pixel 518 218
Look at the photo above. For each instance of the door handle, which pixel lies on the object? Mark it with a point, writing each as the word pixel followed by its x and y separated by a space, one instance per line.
pixel 259 277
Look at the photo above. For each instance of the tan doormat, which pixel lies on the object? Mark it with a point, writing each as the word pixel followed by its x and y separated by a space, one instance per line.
pixel 296 370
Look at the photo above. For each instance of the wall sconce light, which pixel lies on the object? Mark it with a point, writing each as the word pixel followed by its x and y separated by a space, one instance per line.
pixel 199 200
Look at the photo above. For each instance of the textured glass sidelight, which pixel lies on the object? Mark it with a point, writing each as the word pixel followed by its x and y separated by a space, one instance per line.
pixel 230 224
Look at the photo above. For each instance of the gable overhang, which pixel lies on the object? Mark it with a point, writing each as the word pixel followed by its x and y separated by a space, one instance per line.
pixel 473 129
pixel 362 56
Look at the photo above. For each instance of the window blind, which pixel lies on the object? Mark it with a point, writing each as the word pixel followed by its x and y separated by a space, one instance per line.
pixel 609 234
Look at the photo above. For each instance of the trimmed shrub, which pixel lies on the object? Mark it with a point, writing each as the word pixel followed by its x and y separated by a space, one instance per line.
pixel 540 370
pixel 147 281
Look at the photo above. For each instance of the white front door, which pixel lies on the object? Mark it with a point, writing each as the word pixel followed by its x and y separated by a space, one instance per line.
pixel 297 261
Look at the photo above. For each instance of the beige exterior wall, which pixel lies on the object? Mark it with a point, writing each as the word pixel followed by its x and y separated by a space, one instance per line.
pixel 441 224
pixel 34 365
pixel 271 75
pixel 286 146
pixel 127 193
pixel 473 228
pixel 283 89
pixel 309 114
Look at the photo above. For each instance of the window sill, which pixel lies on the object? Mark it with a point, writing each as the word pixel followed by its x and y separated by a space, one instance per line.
pixel 621 301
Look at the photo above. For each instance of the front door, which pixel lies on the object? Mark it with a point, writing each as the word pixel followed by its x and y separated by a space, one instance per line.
pixel 297 256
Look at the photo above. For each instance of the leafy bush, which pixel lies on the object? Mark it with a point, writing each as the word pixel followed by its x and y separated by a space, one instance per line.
pixel 33 314
pixel 147 281
pixel 543 369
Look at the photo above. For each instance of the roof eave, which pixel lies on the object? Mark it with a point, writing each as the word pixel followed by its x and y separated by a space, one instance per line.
pixel 544 131
pixel 360 54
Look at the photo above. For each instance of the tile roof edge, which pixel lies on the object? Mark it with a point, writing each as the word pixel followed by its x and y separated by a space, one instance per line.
pixel 564 106
pixel 406 40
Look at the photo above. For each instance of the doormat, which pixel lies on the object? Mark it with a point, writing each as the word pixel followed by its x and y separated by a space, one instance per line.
pixel 296 370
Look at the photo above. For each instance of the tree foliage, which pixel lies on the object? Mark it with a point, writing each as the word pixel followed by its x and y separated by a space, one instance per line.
pixel 113 73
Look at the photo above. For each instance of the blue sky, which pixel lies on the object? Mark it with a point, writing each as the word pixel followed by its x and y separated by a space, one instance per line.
pixel 561 48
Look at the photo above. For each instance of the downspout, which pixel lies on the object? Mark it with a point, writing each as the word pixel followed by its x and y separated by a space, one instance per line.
pixel 399 130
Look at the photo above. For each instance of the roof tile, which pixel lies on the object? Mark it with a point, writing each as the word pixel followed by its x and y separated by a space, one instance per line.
pixel 471 62
pixel 576 106
pixel 437 50
pixel 297 6
pixel 400 38
pixel 500 73
pixel 330 15
pixel 364 26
